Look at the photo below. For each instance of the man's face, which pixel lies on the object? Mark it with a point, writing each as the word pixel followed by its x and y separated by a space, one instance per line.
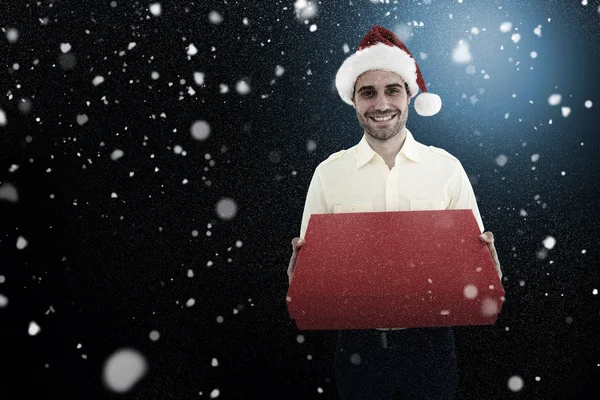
pixel 381 103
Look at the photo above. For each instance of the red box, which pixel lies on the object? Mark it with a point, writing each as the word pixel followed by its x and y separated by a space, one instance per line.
pixel 394 269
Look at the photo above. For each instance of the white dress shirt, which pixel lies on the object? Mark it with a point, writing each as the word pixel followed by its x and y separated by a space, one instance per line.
pixel 358 180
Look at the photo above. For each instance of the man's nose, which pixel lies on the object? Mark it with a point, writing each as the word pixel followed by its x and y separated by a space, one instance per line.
pixel 381 103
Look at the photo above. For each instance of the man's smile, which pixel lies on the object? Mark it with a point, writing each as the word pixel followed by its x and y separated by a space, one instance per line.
pixel 383 118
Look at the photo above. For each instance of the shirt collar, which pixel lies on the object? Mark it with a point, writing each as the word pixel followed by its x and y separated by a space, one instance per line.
pixel 364 152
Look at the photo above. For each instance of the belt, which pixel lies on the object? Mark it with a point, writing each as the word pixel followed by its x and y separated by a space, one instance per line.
pixel 389 329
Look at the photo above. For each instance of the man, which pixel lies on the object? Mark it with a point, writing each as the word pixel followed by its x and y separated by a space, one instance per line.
pixel 388 170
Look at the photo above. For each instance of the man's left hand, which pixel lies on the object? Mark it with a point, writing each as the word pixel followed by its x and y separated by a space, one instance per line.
pixel 488 238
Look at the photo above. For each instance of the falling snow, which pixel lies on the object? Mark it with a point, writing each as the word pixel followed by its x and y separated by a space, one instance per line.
pixel 9 193
pixel 489 307
pixel 549 242
pixel 461 53
pixel 3 301
pixel 200 130
pixel 155 9
pixel 97 80
pixel 215 18
pixel 501 160
pixel 65 47
pixel 515 383
pixel 226 208
pixel 33 329
pixel 242 87
pixel 554 99
pixel 116 154
pixel 199 78
pixel 191 50
pixel 305 10
pixel 12 35
pixel 82 119
pixel 21 243
pixel 470 291
pixel 123 369
pixel 505 27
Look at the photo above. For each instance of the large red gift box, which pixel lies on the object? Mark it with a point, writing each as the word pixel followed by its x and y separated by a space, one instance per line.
pixel 399 269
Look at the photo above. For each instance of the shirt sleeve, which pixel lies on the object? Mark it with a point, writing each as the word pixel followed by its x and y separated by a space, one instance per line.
pixel 463 196
pixel 315 201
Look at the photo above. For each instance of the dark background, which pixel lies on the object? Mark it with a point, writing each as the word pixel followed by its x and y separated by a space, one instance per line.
pixel 103 272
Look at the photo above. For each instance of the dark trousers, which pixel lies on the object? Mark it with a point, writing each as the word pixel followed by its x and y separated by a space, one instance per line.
pixel 414 363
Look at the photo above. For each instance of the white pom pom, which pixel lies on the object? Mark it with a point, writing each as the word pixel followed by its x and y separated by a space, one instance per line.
pixel 428 104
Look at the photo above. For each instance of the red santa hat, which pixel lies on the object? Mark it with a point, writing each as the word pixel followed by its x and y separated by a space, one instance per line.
pixel 381 49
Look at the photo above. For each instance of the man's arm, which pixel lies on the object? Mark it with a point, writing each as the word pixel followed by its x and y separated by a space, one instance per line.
pixel 463 197
pixel 315 204
pixel 488 238
pixel 315 201
pixel 297 244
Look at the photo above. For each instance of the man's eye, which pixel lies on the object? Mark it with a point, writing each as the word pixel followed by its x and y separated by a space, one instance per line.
pixel 367 93
pixel 394 91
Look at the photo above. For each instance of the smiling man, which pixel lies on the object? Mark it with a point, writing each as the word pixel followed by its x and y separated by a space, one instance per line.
pixel 381 100
pixel 388 170
pixel 381 125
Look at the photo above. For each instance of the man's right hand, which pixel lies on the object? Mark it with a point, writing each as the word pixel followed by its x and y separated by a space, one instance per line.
pixel 297 243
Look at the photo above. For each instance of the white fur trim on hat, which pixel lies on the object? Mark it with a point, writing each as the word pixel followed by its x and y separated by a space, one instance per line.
pixel 379 56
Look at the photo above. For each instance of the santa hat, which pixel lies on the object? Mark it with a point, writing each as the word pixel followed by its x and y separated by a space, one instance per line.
pixel 381 49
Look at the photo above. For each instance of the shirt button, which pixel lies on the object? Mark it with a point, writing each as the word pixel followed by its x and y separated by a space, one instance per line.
pixel 352 208
pixel 431 204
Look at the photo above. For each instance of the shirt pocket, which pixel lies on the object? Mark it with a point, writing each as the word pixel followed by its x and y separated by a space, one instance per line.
pixel 353 207
pixel 416 205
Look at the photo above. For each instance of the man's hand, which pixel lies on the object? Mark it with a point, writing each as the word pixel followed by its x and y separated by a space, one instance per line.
pixel 488 238
pixel 297 243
